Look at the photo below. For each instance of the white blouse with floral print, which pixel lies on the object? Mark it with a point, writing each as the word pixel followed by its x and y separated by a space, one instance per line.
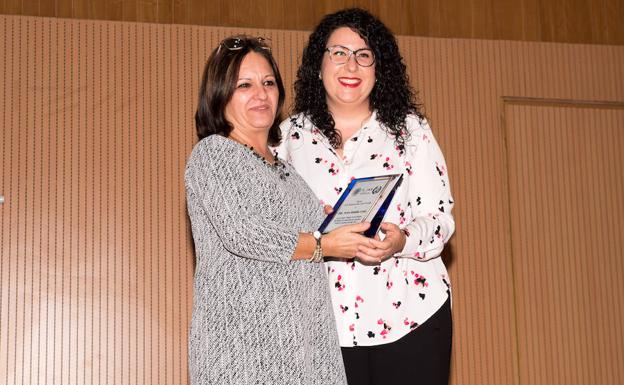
pixel 376 305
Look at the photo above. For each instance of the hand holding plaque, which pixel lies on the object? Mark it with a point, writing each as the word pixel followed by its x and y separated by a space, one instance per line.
pixel 364 200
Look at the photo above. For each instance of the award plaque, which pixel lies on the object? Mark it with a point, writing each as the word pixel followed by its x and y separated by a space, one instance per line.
pixel 364 200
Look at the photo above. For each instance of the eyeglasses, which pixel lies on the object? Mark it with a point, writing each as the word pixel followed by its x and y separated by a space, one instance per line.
pixel 338 54
pixel 235 43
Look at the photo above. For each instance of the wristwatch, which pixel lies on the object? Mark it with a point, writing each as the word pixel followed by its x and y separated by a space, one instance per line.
pixel 317 256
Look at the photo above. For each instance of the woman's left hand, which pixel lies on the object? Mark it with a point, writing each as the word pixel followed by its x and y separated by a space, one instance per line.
pixel 382 250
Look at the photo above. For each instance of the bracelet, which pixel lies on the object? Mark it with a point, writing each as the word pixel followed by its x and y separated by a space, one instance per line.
pixel 317 256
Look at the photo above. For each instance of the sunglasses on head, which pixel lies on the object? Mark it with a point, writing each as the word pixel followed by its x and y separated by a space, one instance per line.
pixel 235 43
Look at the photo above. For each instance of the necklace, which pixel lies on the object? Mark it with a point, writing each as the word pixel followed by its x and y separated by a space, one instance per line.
pixel 276 166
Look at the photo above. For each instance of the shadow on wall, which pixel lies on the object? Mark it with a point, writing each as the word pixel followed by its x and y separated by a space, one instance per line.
pixel 448 254
pixel 189 232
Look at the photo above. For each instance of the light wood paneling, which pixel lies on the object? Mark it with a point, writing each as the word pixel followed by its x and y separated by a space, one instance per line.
pixel 570 21
pixel 96 258
pixel 96 270
pixel 566 183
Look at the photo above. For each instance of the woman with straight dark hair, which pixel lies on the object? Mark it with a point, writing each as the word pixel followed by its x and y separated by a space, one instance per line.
pixel 261 308
pixel 356 116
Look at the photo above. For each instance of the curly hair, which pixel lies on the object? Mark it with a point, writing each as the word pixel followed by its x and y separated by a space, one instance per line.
pixel 392 96
pixel 219 82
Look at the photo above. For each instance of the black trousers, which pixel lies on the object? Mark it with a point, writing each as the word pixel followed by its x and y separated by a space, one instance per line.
pixel 421 357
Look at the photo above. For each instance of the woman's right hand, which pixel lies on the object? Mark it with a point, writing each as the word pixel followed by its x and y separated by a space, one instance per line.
pixel 344 241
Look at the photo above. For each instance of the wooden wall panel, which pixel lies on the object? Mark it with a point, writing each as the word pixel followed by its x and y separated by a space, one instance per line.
pixel 569 21
pixel 567 234
pixel 102 264
pixel 96 260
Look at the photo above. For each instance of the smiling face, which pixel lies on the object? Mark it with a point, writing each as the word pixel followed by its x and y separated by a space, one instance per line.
pixel 346 84
pixel 252 108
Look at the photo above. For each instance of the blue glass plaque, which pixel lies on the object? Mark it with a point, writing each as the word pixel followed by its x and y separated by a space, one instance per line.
pixel 364 200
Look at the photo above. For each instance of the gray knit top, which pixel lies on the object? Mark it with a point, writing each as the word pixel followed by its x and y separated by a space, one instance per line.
pixel 258 316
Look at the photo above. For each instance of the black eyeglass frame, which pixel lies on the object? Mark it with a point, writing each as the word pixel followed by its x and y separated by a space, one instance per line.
pixel 351 53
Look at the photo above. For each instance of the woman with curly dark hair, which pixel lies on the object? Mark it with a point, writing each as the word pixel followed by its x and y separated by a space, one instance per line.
pixel 356 116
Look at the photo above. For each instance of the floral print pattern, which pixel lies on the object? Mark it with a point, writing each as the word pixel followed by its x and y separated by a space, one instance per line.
pixel 379 304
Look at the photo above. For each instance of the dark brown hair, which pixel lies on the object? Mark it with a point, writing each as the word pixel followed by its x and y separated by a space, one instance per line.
pixel 219 82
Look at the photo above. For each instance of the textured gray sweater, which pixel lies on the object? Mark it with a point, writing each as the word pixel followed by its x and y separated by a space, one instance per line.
pixel 258 316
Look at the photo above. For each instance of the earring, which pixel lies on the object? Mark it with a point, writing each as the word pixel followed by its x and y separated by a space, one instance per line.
pixel 320 77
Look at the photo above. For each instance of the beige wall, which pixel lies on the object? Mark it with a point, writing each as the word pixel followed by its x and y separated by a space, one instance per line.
pixel 570 21
pixel 565 183
pixel 96 261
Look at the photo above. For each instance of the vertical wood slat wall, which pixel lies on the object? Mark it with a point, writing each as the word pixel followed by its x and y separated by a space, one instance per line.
pixel 96 257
